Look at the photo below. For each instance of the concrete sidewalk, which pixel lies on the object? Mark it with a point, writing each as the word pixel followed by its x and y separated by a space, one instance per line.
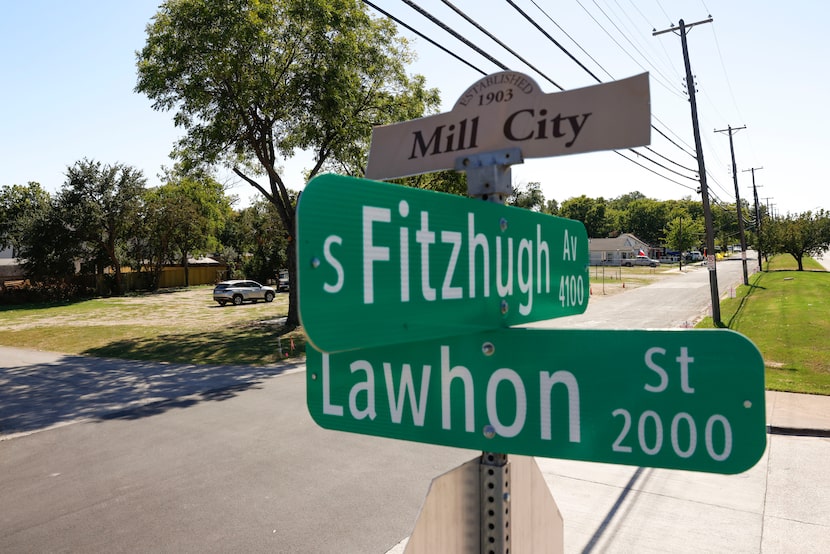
pixel 782 504
pixel 798 414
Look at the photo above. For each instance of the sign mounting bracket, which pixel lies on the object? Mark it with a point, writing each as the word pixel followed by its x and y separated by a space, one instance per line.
pixel 488 173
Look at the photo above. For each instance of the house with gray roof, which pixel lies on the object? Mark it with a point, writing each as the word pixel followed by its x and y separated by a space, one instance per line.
pixel 613 251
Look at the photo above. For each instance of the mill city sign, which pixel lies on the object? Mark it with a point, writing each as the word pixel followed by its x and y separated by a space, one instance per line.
pixel 509 110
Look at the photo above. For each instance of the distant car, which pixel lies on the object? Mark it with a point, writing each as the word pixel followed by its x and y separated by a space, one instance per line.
pixel 694 256
pixel 283 283
pixel 640 260
pixel 239 291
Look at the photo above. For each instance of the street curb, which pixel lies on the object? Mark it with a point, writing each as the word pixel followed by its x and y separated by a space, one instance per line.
pixel 798 432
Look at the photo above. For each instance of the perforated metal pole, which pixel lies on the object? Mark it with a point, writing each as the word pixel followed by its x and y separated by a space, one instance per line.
pixel 489 178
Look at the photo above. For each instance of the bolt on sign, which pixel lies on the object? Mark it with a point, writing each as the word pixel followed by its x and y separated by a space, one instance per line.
pixel 383 264
pixel 690 399
pixel 507 110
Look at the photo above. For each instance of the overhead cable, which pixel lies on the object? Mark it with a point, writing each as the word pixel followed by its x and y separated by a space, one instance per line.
pixel 423 36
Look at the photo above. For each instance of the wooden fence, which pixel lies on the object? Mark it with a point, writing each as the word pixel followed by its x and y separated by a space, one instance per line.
pixel 174 277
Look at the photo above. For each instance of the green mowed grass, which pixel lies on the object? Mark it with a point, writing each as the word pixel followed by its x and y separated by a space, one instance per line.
pixel 786 313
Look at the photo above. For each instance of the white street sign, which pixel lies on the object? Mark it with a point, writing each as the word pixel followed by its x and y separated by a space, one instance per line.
pixel 509 110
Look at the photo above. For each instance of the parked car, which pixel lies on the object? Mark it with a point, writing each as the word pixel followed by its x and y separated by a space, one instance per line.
pixel 239 291
pixel 283 285
pixel 640 260
pixel 694 256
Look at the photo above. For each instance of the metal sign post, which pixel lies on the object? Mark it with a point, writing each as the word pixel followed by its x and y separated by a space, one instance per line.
pixel 489 178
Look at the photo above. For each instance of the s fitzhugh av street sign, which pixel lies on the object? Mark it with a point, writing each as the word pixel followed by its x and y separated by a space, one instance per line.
pixel 690 399
pixel 383 264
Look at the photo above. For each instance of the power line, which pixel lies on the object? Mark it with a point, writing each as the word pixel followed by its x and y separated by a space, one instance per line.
pixel 627 39
pixel 423 36
pixel 570 37
pixel 500 43
pixel 446 28
pixel 499 64
pixel 652 171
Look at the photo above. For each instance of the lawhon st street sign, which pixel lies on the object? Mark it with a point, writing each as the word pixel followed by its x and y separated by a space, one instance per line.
pixel 382 264
pixel 690 399
pixel 508 109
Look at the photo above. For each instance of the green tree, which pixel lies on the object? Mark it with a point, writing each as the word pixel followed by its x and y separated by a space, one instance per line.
pixel 624 200
pixel 253 81
pixel 20 205
pixel 551 207
pixel 590 211
pixel 152 247
pixel 805 234
pixel 645 218
pixel 682 234
pixel 725 223
pixel 31 225
pixel 99 206
pixel 200 211
pixel 528 196
pixel 268 242
pixel 451 182
pixel 182 218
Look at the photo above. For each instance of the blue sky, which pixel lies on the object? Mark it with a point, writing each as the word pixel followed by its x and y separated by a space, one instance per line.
pixel 69 71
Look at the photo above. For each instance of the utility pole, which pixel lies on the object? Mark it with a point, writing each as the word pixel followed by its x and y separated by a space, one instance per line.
pixel 732 131
pixel 681 29
pixel 757 214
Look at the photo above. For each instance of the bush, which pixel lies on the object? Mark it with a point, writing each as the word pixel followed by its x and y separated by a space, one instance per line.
pixel 43 292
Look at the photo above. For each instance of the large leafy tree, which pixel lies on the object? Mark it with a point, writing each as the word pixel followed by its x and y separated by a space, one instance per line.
pixel 590 211
pixel 451 182
pixel 182 218
pixel 99 206
pixel 31 225
pixel 528 196
pixel 20 206
pixel 151 249
pixel 683 233
pixel 646 218
pixel 254 81
pixel 804 234
pixel 258 232
pixel 200 210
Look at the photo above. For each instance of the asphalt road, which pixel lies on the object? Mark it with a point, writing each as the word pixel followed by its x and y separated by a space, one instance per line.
pixel 115 456
pixel 675 301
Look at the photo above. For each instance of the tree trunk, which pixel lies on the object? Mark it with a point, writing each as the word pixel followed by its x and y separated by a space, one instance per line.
pixel 186 270
pixel 293 318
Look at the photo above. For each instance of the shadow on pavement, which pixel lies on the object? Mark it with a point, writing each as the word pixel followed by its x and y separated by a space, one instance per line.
pixel 39 395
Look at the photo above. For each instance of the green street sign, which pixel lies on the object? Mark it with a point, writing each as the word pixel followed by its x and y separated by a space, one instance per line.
pixel 679 399
pixel 381 264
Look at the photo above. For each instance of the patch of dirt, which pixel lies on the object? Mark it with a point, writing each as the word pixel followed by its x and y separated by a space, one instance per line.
pixel 184 309
pixel 619 280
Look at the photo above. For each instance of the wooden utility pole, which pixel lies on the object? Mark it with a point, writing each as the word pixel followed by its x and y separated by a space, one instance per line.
pixel 757 215
pixel 681 29
pixel 732 131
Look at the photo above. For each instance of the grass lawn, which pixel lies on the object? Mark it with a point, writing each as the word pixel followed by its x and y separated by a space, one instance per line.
pixel 177 325
pixel 785 313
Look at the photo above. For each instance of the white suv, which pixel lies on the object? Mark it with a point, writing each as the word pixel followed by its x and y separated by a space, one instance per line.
pixel 239 291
